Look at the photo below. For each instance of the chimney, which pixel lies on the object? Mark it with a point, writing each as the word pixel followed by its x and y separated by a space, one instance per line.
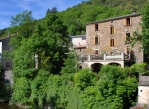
pixel 133 11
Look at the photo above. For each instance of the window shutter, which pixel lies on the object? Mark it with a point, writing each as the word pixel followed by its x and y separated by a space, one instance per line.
pixel 94 40
pixel 130 21
pixel 114 42
pixel 114 30
pixel 125 37
pixel 125 22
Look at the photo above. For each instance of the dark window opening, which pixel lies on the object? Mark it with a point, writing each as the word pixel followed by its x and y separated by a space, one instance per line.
pixel 96 40
pixel 96 52
pixel 8 64
pixel 127 21
pixel 111 42
pixel 80 67
pixel 128 37
pixel 96 27
pixel 111 30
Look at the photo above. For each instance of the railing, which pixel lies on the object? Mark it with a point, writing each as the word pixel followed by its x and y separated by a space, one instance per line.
pixel 120 56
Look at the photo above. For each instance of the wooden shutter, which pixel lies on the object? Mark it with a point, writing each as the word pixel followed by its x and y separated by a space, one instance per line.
pixel 130 21
pixel 114 42
pixel 125 22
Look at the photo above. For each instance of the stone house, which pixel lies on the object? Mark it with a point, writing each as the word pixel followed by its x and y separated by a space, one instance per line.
pixel 106 42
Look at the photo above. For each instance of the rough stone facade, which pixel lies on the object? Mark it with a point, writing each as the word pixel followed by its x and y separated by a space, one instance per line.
pixel 102 29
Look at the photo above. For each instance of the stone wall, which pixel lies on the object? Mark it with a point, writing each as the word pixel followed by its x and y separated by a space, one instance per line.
pixel 119 36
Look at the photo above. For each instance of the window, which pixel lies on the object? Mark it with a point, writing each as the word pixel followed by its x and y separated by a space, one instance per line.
pixel 80 67
pixel 127 51
pixel 128 37
pixel 97 40
pixel 111 30
pixel 8 64
pixel 96 52
pixel 111 42
pixel 128 23
pixel 96 27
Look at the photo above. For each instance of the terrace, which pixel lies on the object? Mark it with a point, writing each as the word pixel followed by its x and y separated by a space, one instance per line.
pixel 105 57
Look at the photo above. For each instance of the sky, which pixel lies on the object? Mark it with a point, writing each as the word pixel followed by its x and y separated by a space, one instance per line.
pixel 9 8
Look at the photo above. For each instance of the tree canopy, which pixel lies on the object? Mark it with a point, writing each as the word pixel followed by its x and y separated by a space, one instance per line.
pixel 142 36
pixel 21 18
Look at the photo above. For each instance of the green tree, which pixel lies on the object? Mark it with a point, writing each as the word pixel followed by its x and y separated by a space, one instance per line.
pixel 117 87
pixel 70 63
pixel 143 36
pixel 85 78
pixel 21 91
pixel 21 18
pixel 51 40
pixel 23 29
pixel 53 10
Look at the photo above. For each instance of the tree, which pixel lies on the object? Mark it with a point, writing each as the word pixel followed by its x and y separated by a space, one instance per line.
pixel 85 78
pixel 70 63
pixel 51 40
pixel 143 36
pixel 54 10
pixel 21 18
pixel 20 32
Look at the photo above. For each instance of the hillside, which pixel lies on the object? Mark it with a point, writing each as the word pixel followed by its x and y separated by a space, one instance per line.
pixel 76 17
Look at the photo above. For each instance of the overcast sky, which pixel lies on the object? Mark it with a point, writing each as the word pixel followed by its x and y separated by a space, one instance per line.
pixel 9 8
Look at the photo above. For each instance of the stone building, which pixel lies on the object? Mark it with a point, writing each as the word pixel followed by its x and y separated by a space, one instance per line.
pixel 106 41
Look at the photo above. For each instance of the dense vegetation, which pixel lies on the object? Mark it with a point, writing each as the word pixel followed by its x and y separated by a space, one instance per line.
pixel 142 36
pixel 113 88
pixel 5 89
pixel 45 70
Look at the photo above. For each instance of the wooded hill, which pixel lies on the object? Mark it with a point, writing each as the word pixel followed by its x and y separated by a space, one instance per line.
pixel 76 17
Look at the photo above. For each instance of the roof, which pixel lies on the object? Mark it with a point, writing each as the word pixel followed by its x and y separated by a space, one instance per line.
pixel 80 46
pixel 78 36
pixel 115 18
pixel 4 38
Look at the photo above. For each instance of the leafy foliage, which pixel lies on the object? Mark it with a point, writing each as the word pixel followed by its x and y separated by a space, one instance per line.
pixel 70 63
pixel 38 88
pixel 21 18
pixel 21 91
pixel 2 76
pixel 5 89
pixel 142 36
pixel 49 39
pixel 85 78
pixel 116 88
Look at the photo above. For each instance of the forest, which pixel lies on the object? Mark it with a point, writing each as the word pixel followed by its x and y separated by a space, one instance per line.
pixel 44 69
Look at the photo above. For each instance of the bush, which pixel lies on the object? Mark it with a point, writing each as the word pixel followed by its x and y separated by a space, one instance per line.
pixel 85 78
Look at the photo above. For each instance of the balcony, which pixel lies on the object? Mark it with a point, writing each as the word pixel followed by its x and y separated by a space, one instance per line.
pixel 105 57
